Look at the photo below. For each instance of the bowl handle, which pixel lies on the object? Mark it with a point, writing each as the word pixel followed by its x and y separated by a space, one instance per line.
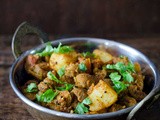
pixel 148 101
pixel 22 30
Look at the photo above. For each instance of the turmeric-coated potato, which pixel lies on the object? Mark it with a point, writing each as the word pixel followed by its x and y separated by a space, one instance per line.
pixel 58 60
pixel 103 55
pixel 102 96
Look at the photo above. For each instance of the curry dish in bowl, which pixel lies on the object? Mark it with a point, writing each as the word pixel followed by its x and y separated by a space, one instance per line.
pixel 89 82
pixel 81 78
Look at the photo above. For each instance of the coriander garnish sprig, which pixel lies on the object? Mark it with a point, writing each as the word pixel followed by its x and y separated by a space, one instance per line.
pixel 47 96
pixel 119 80
pixel 81 107
pixel 66 86
pixel 60 49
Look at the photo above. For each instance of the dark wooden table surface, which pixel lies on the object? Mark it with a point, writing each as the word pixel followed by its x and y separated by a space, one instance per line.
pixel 11 107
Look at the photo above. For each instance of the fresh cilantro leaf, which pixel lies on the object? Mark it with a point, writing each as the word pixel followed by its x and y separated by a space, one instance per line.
pixel 109 66
pixel 115 76
pixel 56 50
pixel 86 101
pixel 47 51
pixel 119 86
pixel 61 71
pixel 66 86
pixel 32 87
pixel 120 66
pixel 51 76
pixel 47 96
pixel 63 49
pixel 88 54
pixel 124 70
pixel 127 77
pixel 81 108
pixel 130 67
pixel 82 67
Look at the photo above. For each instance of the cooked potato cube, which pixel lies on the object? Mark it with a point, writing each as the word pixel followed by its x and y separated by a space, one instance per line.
pixel 57 60
pixel 103 55
pixel 102 96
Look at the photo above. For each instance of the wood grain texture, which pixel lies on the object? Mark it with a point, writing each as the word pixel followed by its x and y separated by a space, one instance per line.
pixel 11 107
pixel 82 16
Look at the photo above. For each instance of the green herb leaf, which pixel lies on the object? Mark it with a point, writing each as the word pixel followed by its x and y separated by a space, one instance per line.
pixel 115 76
pixel 32 87
pixel 51 76
pixel 120 66
pixel 87 101
pixel 47 96
pixel 88 54
pixel 66 86
pixel 61 71
pixel 124 70
pixel 119 86
pixel 81 108
pixel 130 67
pixel 47 51
pixel 63 49
pixel 82 67
pixel 127 77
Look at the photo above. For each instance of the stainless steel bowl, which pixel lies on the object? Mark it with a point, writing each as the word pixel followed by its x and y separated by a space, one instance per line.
pixel 18 76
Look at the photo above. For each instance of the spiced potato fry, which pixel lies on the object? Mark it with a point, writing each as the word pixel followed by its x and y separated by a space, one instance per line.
pixel 102 96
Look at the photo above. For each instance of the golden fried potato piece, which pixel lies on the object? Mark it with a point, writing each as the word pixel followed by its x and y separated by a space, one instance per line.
pixel 103 55
pixel 102 96
pixel 58 60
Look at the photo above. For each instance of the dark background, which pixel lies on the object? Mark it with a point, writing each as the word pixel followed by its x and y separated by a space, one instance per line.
pixel 133 22
pixel 98 17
